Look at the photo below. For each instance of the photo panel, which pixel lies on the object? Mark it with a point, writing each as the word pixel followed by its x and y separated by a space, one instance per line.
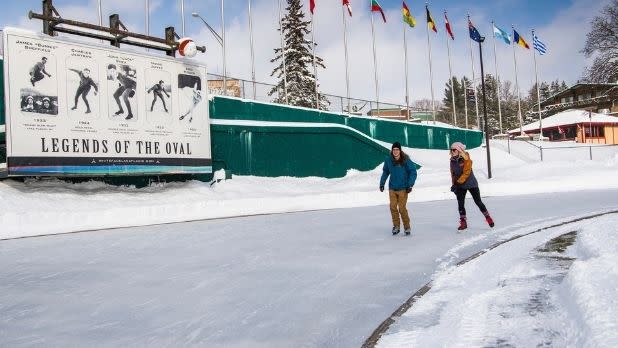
pixel 158 97
pixel 37 81
pixel 190 97
pixel 83 93
pixel 121 92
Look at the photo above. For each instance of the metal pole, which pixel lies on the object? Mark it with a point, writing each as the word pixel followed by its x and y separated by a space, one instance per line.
pixel 405 59
pixel 375 64
pixel 100 14
pixel 538 91
pixel 465 87
pixel 485 108
pixel 252 49
pixel 223 40
pixel 285 73
pixel 345 49
pixel 521 121
pixel 315 68
pixel 476 100
pixel 450 71
pixel 433 106
pixel 182 16
pixel 497 80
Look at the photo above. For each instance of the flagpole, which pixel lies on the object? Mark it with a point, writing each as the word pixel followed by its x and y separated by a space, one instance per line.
pixel 182 16
pixel 285 77
pixel 538 90
pixel 405 60
pixel 345 49
pixel 433 105
pixel 465 87
pixel 375 64
pixel 450 71
pixel 315 68
pixel 252 49
pixel 100 14
pixel 223 41
pixel 497 77
pixel 521 122
pixel 476 101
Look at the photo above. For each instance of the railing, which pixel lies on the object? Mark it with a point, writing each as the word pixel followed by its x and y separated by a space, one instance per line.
pixel 259 91
pixel 553 151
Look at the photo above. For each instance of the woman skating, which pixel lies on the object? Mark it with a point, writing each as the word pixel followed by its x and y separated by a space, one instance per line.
pixel 403 175
pixel 463 181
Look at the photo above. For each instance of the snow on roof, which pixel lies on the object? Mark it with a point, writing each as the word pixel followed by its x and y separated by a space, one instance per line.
pixel 568 117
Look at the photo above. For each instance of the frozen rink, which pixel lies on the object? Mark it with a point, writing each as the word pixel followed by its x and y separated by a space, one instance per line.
pixel 308 279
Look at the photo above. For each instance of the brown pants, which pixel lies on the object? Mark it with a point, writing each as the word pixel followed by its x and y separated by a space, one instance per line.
pixel 399 199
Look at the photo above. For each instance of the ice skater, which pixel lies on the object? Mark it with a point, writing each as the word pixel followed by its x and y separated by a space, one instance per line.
pixel 156 91
pixel 463 181
pixel 85 83
pixel 197 98
pixel 403 176
pixel 126 90
pixel 37 71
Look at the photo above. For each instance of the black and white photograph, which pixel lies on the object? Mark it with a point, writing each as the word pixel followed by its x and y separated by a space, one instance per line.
pixel 82 88
pixel 38 83
pixel 122 83
pixel 158 96
pixel 190 96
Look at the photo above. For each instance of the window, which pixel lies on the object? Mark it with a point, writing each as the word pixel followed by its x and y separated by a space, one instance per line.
pixel 597 131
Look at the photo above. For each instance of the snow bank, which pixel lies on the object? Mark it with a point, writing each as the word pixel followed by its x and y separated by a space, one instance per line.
pixel 61 207
pixel 591 287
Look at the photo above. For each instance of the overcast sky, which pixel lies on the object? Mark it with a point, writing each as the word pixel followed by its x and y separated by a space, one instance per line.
pixel 561 24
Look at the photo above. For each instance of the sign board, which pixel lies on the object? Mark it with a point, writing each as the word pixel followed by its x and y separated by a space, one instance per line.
pixel 86 109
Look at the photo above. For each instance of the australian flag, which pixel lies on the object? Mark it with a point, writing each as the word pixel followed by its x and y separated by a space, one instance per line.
pixel 474 34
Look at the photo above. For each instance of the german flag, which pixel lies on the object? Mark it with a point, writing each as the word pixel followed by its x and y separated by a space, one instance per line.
pixel 519 40
pixel 430 22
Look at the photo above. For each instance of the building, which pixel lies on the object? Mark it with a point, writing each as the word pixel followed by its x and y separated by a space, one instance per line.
pixel 576 125
pixel 216 87
pixel 401 114
pixel 596 97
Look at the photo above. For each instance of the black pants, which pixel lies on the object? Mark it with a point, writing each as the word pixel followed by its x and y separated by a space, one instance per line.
pixel 154 100
pixel 83 92
pixel 476 195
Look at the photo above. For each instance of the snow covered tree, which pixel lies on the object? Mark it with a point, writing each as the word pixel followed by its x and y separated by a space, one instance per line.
pixel 602 44
pixel 298 62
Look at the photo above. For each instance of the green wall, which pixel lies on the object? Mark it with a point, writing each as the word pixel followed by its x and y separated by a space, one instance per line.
pixel 293 151
pixel 408 134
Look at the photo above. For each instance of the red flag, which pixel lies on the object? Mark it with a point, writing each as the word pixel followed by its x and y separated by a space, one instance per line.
pixel 311 5
pixel 347 4
pixel 448 27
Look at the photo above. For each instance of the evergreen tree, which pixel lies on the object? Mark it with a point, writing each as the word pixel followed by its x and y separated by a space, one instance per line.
pixel 298 62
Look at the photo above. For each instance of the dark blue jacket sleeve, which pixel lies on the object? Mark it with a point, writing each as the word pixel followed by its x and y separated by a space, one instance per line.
pixel 411 168
pixel 385 173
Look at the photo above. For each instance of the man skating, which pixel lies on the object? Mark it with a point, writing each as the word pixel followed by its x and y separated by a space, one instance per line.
pixel 126 89
pixel 37 71
pixel 85 83
pixel 157 91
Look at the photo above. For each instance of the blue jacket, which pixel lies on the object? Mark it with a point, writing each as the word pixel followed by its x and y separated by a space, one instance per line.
pixel 402 176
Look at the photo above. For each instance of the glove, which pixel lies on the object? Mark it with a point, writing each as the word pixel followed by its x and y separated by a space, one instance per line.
pixel 454 188
pixel 381 188
pixel 409 189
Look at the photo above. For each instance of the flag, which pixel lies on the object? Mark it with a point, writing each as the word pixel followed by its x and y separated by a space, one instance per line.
pixel 538 45
pixel 407 17
pixel 448 27
pixel 502 35
pixel 347 4
pixel 517 39
pixel 430 23
pixel 375 7
pixel 474 34
pixel 311 5
pixel 560 130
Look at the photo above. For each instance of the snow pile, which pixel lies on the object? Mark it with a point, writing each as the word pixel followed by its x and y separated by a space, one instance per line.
pixel 592 284
pixel 62 207
pixel 516 295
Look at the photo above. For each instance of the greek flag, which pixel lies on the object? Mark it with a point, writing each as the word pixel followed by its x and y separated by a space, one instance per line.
pixel 538 45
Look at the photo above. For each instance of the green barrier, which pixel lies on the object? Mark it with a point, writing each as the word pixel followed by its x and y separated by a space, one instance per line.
pixel 408 134
pixel 293 151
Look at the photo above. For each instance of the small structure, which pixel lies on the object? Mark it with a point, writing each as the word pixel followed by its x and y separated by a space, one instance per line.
pixel 576 125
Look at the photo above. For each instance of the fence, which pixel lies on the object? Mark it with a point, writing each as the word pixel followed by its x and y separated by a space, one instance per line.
pixel 339 104
pixel 563 151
